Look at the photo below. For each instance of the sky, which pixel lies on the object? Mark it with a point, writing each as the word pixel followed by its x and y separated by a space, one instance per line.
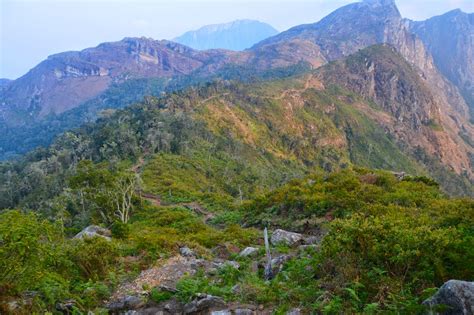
pixel 31 30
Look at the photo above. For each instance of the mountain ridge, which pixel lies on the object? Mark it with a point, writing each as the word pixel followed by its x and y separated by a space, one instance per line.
pixel 235 35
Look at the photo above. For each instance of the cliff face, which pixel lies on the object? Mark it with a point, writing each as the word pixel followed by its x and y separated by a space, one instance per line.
pixel 450 39
pixel 65 80
pixel 415 113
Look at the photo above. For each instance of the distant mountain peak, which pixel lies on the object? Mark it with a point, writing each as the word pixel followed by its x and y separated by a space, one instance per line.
pixel 235 35
pixel 380 2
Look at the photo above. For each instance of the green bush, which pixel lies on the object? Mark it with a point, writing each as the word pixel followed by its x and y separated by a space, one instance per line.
pixel 94 257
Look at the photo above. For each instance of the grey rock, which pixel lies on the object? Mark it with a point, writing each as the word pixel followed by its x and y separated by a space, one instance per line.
pixel 284 237
pixel 249 252
pixel 203 303
pixel 312 240
pixel 294 311
pixel 243 311
pixel 223 312
pixel 186 252
pixel 94 231
pixel 278 262
pixel 455 297
pixel 129 302
pixel 66 306
pixel 231 263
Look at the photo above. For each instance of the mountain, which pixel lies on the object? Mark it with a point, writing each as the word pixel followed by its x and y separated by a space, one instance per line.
pixel 4 82
pixel 450 40
pixel 413 113
pixel 427 114
pixel 65 80
pixel 236 35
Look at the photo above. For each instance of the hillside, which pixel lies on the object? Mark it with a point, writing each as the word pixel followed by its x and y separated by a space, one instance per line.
pixel 236 35
pixel 271 131
pixel 449 38
pixel 70 88
pixel 204 161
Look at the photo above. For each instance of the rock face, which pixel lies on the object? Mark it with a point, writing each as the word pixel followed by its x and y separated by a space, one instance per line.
pixel 417 115
pixel 236 35
pixel 204 303
pixel 248 252
pixel 450 40
pixel 453 298
pixel 128 302
pixel 186 252
pixel 284 237
pixel 94 231
pixel 65 80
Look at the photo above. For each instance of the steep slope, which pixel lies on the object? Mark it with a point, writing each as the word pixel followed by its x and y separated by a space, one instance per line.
pixel 236 35
pixel 380 74
pixel 450 39
pixel 65 80
pixel 4 83
pixel 359 25
pixel 226 140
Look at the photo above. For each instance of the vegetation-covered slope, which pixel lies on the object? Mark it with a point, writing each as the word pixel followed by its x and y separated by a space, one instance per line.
pixel 389 242
pixel 192 167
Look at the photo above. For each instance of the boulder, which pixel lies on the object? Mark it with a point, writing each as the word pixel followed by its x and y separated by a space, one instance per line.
pixel 186 252
pixel 285 237
pixel 294 311
pixel 94 231
pixel 203 303
pixel 455 297
pixel 249 252
pixel 129 302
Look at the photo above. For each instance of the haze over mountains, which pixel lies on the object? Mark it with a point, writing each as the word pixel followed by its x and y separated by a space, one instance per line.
pixel 427 105
pixel 236 35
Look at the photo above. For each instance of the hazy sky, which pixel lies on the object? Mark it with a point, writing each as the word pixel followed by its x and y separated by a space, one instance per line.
pixel 33 29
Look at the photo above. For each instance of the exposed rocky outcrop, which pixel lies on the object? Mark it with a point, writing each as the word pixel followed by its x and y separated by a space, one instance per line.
pixel 417 116
pixel 284 237
pixel 94 231
pixel 455 297
pixel 249 252
pixel 450 40
pixel 204 303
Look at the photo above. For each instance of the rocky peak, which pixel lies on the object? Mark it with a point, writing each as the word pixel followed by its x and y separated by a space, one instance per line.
pixel 379 3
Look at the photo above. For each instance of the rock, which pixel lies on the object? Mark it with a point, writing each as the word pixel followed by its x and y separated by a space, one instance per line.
pixel 186 252
pixel 278 262
pixel 455 297
pixel 203 303
pixel 312 240
pixel 230 263
pixel 165 288
pixel 223 312
pixel 66 306
pixel 294 311
pixel 249 252
pixel 243 311
pixel 94 231
pixel 173 306
pixel 129 302
pixel 285 237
